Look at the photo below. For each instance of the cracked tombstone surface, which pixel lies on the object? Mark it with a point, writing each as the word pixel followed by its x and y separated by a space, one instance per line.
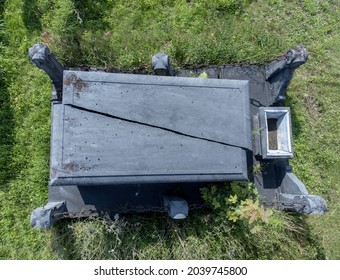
pixel 132 128
pixel 122 143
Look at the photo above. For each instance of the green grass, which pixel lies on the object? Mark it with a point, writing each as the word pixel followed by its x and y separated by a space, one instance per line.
pixel 118 34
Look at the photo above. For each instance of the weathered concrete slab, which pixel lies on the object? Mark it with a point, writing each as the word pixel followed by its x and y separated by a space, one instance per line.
pixel 96 150
pixel 204 108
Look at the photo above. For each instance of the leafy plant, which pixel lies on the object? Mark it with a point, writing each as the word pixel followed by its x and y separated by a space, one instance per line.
pixel 252 213
pixel 257 168
pixel 239 203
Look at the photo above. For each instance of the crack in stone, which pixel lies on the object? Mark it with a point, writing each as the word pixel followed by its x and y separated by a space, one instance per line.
pixel 154 126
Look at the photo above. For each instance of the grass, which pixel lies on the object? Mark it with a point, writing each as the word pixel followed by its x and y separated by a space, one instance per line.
pixel 125 34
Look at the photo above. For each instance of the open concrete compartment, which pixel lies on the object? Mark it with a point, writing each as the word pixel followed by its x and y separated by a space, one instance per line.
pixel 276 132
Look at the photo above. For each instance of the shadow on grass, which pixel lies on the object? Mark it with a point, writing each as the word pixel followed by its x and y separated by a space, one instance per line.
pixel 63 241
pixel 296 125
pixel 90 14
pixel 31 16
pixel 130 237
pixel 307 235
pixel 6 135
pixel 69 42
pixel 6 122
pixel 2 8
pixel 204 235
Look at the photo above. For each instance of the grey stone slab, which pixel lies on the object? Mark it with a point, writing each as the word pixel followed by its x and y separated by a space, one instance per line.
pixel 98 149
pixel 259 89
pixel 216 110
pixel 125 198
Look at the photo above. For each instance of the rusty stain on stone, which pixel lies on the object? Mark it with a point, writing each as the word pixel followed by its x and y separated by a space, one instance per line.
pixel 80 84
pixel 53 173
pixel 71 166
pixel 70 79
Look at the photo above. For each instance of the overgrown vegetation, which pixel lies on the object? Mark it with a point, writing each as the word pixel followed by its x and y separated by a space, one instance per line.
pixel 238 202
pixel 125 34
